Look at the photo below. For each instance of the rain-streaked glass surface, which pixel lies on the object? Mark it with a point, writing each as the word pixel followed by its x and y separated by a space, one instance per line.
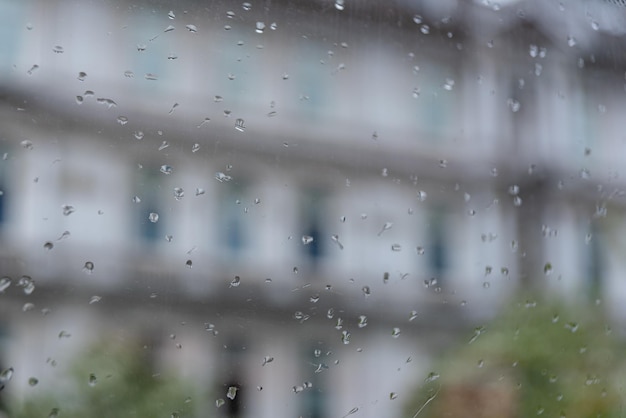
pixel 315 209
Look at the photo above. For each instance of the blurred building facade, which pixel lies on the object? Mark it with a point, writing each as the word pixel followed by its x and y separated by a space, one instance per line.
pixel 339 187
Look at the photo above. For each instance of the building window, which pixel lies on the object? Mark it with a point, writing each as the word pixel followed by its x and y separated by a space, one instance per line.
pixel 312 206
pixel 438 249
pixel 232 208
pixel 148 195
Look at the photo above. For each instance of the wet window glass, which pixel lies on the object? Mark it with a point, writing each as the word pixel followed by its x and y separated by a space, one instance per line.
pixel 332 208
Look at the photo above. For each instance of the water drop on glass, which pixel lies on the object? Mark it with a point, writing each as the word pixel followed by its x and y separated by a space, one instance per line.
pixel 219 402
pixel 88 268
pixel 547 269
pixel 395 332
pixel 345 337
pixel 260 27
pixel 57 49
pixel 192 28
pixel 27 284
pixel 151 76
pixel 396 247
pixel 221 177
pixel 68 210
pixel 195 147
pixel 93 380
pixel 5 282
pixel 171 15
pixel 267 359
pixel 122 120
pixel 153 217
pixel 6 375
pixel 235 282
pixel 32 381
pixel 366 291
pixel 362 321
pixel 239 125
pixel 94 299
pixel 166 169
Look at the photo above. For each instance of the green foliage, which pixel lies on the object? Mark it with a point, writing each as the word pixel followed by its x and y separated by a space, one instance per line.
pixel 537 358
pixel 111 381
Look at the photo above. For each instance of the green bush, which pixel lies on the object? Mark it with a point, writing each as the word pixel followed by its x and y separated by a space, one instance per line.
pixel 537 359
pixel 111 380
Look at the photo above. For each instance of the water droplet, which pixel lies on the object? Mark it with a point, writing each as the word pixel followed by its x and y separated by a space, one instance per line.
pixel 339 5
pixel 362 321
pixel 345 337
pixel 274 26
pixel 449 84
pixel 547 269
pixel 179 193
pixel 169 29
pixel 260 27
pixel 572 326
pixel 151 76
pixel 27 284
pixel 514 105
pixel 387 226
pixel 211 328
pixel 517 201
pixel 192 28
pixel 396 247
pixel 27 144
pixel 5 282
pixel 171 15
pixel 6 375
pixel 34 68
pixel 419 250
pixel 425 29
pixel 413 315
pixel 108 102
pixel 335 239
pixel 232 392
pixel 32 381
pixel 153 217
pixel 235 282
pixel 297 388
pixel 595 25
pixel 221 177
pixel 339 324
pixel 88 268
pixel 246 6
pixel 48 245
pixel 199 191
pixel 195 147
pixel 122 120
pixel 166 169
pixel 352 411
pixel 366 291
pixel 395 332
pixel 57 49
pixel 267 359
pixel 571 41
pixel 393 395
pixel 417 19
pixel 94 299
pixel 219 402
pixel 329 314
pixel 239 125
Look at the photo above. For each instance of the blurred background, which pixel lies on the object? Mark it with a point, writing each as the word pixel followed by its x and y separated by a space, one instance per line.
pixel 312 208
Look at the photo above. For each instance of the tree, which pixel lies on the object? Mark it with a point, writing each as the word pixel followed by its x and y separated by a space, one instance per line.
pixel 111 380
pixel 539 358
